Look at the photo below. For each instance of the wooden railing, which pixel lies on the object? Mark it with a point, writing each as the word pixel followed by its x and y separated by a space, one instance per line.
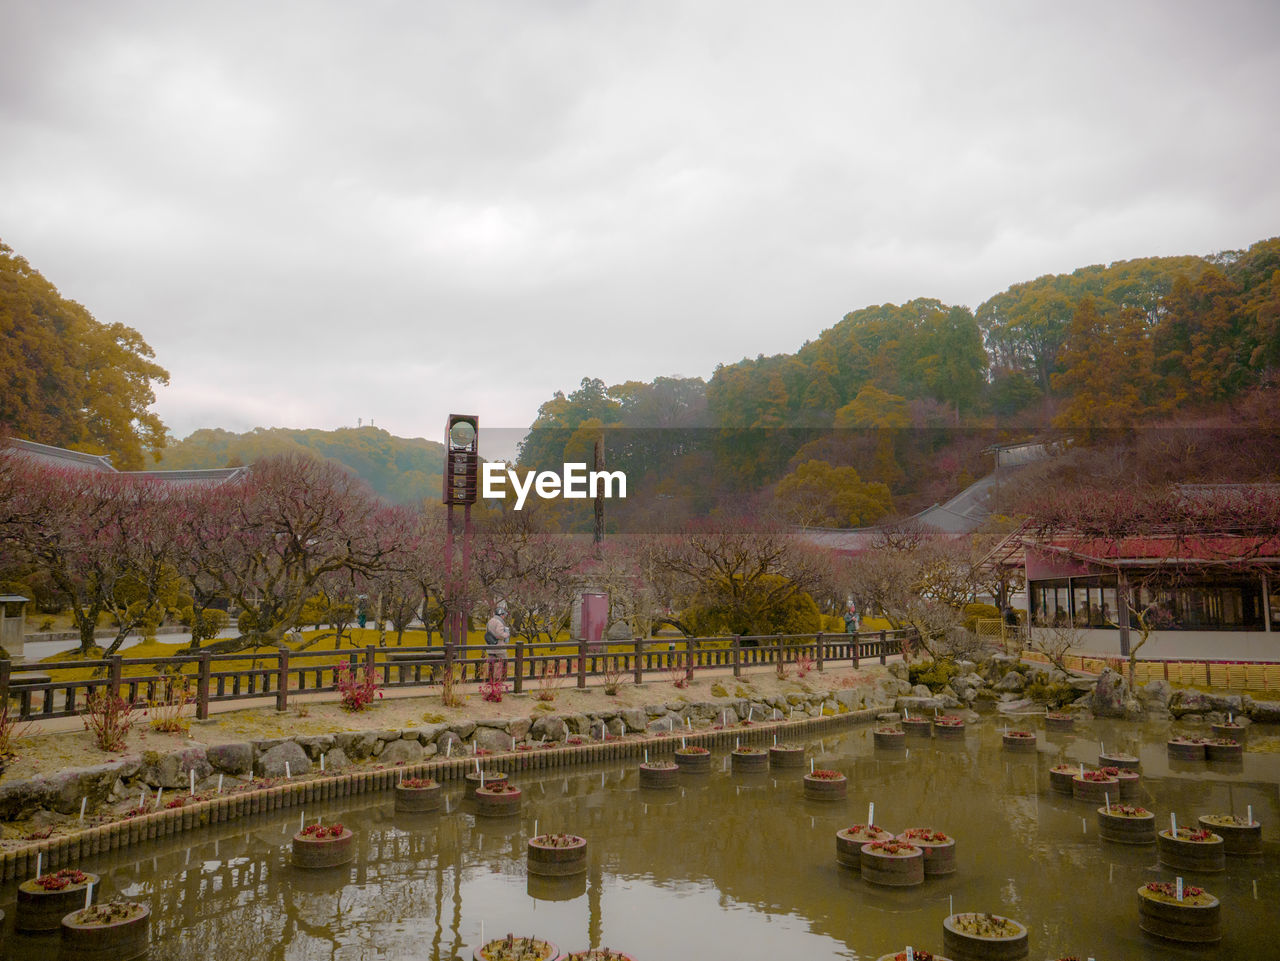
pixel 282 673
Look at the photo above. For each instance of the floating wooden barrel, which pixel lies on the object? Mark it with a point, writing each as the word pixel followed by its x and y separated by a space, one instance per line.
pixel 42 910
pixel 1086 789
pixel 533 949
pixel 746 761
pixel 1206 857
pixel 697 762
pixel 939 855
pixel 947 730
pixel 1019 743
pixel 1126 829
pixel 1126 762
pixel 1239 839
pixel 1235 732
pixel 963 946
pixel 660 775
pixel 1194 923
pixel 499 801
pixel 314 852
pixel 849 843
pixel 826 789
pixel 555 860
pixel 1180 750
pixel 901 869
pixel 917 726
pixel 1061 777
pixel 116 941
pixel 1226 749
pixel 473 781
pixel 890 740
pixel 781 756
pixel 1059 722
pixel 418 800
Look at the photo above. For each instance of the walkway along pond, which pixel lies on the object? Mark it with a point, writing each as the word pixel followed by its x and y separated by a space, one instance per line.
pixel 726 865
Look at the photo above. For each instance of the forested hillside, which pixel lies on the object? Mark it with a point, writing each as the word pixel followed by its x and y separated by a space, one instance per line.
pixel 403 470
pixel 68 380
pixel 892 408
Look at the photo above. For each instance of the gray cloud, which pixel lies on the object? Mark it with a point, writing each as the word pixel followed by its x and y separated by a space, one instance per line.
pixel 318 211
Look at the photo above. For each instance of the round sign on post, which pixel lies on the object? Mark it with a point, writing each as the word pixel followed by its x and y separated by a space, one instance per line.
pixel 462 459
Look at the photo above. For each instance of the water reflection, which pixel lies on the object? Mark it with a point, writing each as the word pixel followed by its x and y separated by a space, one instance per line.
pixel 724 865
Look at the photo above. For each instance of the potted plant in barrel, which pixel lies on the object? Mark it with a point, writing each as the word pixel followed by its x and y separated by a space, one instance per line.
pixel 1194 917
pixel 557 855
pixel 1223 749
pixel 1185 748
pixel 418 795
pixel 982 937
pixel 1130 781
pixel 892 863
pixel 889 737
pixel 849 842
pixel 597 954
pixel 323 846
pixel 1189 849
pixel 693 759
pixel 745 760
pixel 515 948
pixel 1126 824
pixel 786 755
pixel 948 727
pixel 917 954
pixel 1059 721
pixel 110 931
pixel 1019 742
pixel 659 774
pixel 939 850
pixel 498 800
pixel 822 784
pixel 44 901
pixel 1240 836
pixel 1061 776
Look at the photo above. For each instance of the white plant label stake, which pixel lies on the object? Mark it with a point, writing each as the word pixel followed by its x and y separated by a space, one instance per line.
pixel 810 765
pixel 39 858
pixel 1173 824
pixel 220 776
pixel 83 801
pixel 1250 815
pixel 1107 795
pixel 871 814
pixel 159 794
pixel 1179 881
pixel 88 896
pixel 287 773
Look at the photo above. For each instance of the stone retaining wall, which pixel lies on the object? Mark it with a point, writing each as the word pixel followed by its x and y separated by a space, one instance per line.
pixel 246 800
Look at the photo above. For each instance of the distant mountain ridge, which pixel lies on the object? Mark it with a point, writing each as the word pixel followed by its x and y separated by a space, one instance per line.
pixel 403 470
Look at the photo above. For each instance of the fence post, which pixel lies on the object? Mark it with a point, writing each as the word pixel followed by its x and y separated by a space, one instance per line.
pixel 582 662
pixel 519 681
pixel 854 645
pixel 5 668
pixel 639 671
pixel 114 670
pixel 737 655
pixel 820 646
pixel 883 641
pixel 448 656
pixel 202 687
pixel 689 654
pixel 282 682
pixel 370 653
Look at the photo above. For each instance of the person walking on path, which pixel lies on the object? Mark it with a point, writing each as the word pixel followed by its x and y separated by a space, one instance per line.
pixel 496 635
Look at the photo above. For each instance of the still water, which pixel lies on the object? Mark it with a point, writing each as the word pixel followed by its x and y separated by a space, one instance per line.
pixel 726 866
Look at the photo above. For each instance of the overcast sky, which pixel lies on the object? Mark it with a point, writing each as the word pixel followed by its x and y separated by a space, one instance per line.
pixel 321 211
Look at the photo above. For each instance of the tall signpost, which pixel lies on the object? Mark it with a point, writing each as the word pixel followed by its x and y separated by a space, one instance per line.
pixel 461 476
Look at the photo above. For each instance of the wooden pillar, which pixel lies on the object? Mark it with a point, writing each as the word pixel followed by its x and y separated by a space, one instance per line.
pixel 820 646
pixel 282 682
pixel 639 668
pixel 582 662
pixel 518 683
pixel 737 655
pixel 202 686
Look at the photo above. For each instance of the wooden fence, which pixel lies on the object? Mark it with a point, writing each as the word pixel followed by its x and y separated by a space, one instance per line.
pixel 40 692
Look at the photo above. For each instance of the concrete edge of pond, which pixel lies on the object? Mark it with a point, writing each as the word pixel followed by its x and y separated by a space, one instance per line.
pixel 61 852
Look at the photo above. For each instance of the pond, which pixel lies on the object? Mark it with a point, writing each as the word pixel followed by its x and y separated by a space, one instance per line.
pixel 725 866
